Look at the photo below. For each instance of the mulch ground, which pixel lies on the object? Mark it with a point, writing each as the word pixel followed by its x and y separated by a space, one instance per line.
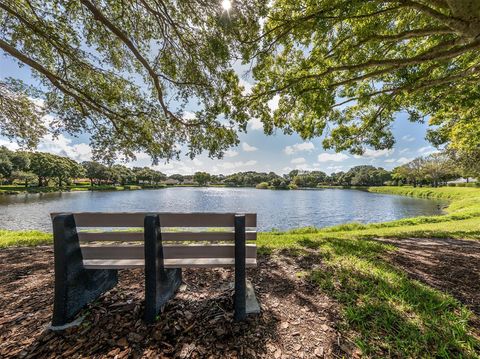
pixel 451 265
pixel 296 320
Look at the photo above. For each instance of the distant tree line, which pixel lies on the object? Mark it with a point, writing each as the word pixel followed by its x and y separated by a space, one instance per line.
pixel 436 170
pixel 46 169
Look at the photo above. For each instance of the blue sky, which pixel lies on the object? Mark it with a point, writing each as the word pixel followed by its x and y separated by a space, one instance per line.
pixel 279 153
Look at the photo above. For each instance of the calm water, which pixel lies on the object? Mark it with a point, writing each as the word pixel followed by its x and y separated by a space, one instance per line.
pixel 276 209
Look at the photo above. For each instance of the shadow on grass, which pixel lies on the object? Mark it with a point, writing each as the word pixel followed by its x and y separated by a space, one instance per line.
pixel 392 314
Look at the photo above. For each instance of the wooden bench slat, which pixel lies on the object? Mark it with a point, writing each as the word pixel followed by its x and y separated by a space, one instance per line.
pixel 166 236
pixel 169 251
pixel 114 236
pixel 136 219
pixel 168 263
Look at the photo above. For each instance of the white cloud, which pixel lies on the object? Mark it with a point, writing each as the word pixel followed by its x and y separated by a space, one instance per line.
pixel 236 164
pixel 390 160
pixel 408 138
pixel 187 115
pixel 335 168
pixel 247 87
pixel 142 156
pixel 298 160
pixel 404 150
pixel 12 146
pixel 332 157
pixel 231 153
pixel 197 162
pixel 427 150
pixel 403 160
pixel 63 146
pixel 255 124
pixel 247 148
pixel 299 147
pixel 369 153
pixel 273 103
pixel 309 167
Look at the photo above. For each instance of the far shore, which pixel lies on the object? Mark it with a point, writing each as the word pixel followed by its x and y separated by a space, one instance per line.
pixel 20 189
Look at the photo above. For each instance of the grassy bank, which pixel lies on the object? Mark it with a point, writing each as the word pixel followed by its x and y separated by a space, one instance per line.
pixel 16 189
pixel 383 311
pixel 23 238
pixel 386 312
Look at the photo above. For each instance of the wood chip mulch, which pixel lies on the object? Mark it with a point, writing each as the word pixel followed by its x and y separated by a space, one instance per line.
pixel 450 265
pixel 297 321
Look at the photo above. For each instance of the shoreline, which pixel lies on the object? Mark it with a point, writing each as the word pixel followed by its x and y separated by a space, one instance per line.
pixel 463 205
pixel 11 190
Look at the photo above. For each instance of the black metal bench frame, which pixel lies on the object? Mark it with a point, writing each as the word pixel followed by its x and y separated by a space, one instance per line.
pixel 76 286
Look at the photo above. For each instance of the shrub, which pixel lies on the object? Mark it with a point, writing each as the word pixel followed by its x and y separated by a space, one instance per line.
pixel 262 185
pixel 153 186
pixel 81 183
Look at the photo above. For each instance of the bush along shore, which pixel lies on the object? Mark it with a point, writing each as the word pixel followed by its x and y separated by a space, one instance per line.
pixel 388 302
pixel 17 189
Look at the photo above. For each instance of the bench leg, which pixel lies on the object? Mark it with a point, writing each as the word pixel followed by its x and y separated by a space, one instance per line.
pixel 159 289
pixel 240 277
pixel 160 283
pixel 75 286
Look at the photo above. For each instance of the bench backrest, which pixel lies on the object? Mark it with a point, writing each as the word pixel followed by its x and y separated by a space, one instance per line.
pixel 190 239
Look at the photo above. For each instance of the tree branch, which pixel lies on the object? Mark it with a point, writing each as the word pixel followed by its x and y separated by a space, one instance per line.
pixel 98 15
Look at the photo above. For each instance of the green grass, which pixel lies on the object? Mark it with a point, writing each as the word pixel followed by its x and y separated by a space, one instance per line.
pixel 132 187
pixel 386 313
pixel 383 311
pixel 23 238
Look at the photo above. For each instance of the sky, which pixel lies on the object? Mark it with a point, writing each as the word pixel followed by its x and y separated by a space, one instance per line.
pixel 256 152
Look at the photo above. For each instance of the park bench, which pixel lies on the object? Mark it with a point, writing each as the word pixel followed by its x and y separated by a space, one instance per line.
pixel 89 248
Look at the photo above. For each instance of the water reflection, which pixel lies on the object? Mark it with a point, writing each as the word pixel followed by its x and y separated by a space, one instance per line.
pixel 276 209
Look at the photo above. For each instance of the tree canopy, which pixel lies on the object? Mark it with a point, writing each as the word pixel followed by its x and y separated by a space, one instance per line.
pixel 343 69
pixel 127 71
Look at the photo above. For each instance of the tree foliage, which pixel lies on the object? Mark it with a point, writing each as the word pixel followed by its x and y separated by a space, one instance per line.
pixel 309 179
pixel 466 162
pixel 20 118
pixel 49 166
pixel 126 71
pixel 435 169
pixel 202 178
pixel 343 69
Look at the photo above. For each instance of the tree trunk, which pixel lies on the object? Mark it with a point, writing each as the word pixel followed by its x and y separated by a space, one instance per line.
pixel 469 12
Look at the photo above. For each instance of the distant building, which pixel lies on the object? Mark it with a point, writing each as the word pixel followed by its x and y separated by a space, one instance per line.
pixel 188 181
pixel 463 180
pixel 171 182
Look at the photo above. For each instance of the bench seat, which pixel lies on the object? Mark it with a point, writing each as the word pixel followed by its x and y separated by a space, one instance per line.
pixel 168 263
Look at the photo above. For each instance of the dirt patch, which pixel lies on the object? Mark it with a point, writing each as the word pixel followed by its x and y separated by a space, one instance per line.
pixel 451 265
pixel 296 320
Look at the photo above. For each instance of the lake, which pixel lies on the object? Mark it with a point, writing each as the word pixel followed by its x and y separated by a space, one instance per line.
pixel 276 209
